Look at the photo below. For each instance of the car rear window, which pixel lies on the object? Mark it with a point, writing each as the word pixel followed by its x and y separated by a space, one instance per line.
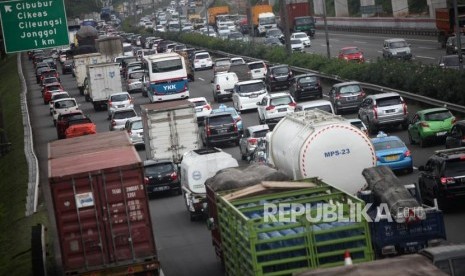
pixel 136 76
pixel 53 87
pixel 258 65
pixel 455 167
pixel 308 79
pixel 222 62
pixel 357 124
pixel 252 87
pixel 260 133
pixel 59 96
pixel 159 168
pixel 325 107
pixel 65 104
pixel 221 120
pixel 119 98
pixel 395 100
pixel 124 114
pixel 281 70
pixel 389 144
pixel 350 89
pixel 202 56
pixel 438 116
pixel 136 125
pixel 200 103
pixel 281 101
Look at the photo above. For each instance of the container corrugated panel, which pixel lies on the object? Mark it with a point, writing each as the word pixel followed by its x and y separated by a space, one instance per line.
pixel 102 211
pixel 88 144
pixel 252 246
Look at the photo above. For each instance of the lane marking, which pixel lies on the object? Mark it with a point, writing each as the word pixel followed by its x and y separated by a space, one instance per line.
pixel 361 42
pixel 201 79
pixel 427 48
pixel 425 57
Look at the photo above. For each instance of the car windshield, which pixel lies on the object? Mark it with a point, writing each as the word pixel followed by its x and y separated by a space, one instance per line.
pixel 260 133
pixel 438 115
pixel 350 89
pixel 274 32
pixel 221 120
pixel 300 36
pixel 388 101
pixel 272 40
pixel 454 167
pixel 308 79
pixel 398 44
pixel 251 87
pixel 50 80
pixel 258 65
pixel 65 104
pixel 136 75
pixel 281 101
pixel 388 144
pixel 166 65
pixel 305 20
pixel 237 61
pixel 53 87
pixel 158 169
pixel 124 114
pixel 119 97
pixel 351 51
pixel 296 41
pixel 137 125
pixel 325 107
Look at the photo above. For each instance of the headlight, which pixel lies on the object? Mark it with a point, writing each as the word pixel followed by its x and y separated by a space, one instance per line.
pixel 394 53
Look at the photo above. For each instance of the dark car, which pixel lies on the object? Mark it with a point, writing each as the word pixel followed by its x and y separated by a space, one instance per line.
pixel 451 45
pixel 50 61
pixel 346 96
pixel 306 86
pixel 67 67
pixel 443 177
pixel 161 47
pixel 161 175
pixel 456 137
pixel 220 128
pixel 278 76
pixel 449 62
pixel 244 29
pixel 273 41
pixel 39 71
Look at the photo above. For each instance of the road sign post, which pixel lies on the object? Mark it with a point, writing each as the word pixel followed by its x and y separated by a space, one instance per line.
pixel 28 25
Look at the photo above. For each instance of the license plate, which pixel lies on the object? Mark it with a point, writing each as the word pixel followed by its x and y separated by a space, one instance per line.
pixel 221 130
pixel 257 71
pixel 253 96
pixel 351 98
pixel 161 188
pixel 120 106
pixel 282 109
pixel 442 133
pixel 392 158
pixel 198 109
pixel 390 111
pixel 203 65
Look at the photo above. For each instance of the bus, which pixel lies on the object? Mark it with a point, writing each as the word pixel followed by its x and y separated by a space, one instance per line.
pixel 167 77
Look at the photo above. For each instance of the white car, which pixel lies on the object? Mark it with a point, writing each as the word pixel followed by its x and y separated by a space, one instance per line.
pixel 202 60
pixel 237 60
pixel 117 101
pixel 273 107
pixel 58 94
pixel 249 140
pixel 223 31
pixel 302 37
pixel 135 80
pixel 223 85
pixel 297 45
pixel 135 130
pixel 257 69
pixel 63 106
pixel 246 94
pixel 160 28
pixel 202 107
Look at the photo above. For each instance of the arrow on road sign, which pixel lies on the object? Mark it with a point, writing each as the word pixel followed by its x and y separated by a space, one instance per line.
pixel 8 8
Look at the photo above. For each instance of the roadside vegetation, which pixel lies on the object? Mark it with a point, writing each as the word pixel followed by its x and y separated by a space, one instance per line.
pixel 15 228
pixel 427 80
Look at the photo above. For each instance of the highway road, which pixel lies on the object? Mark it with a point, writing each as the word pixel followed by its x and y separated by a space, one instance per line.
pixel 185 247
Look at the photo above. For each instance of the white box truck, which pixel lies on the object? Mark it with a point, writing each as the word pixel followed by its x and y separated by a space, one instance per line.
pixel 323 145
pixel 170 129
pixel 110 47
pixel 196 167
pixel 102 80
pixel 80 71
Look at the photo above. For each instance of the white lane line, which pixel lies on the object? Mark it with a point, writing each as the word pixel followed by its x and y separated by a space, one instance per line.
pixel 201 79
pixel 380 52
pixel 427 48
pixel 324 45
pixel 360 42
pixel 425 57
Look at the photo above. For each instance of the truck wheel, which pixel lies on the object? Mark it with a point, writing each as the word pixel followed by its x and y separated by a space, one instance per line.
pixel 96 107
pixel 373 129
pixel 87 98
pixel 192 216
pixel 81 90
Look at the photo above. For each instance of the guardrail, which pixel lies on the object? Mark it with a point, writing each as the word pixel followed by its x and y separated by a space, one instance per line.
pixel 380 30
pixel 373 87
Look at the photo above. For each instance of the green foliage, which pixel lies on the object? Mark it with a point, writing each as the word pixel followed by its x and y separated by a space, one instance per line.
pixel 420 79
pixel 77 8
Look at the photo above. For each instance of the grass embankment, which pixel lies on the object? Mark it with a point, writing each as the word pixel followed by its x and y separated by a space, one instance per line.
pixel 15 227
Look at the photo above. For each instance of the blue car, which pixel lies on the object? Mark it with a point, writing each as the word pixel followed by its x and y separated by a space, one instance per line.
pixel 392 152
pixel 231 110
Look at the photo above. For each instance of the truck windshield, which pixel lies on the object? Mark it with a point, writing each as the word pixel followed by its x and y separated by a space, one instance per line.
pixel 166 65
pixel 304 21
pixel 268 20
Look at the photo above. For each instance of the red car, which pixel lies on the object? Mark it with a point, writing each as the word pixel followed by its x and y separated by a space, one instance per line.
pixel 73 125
pixel 48 88
pixel 351 54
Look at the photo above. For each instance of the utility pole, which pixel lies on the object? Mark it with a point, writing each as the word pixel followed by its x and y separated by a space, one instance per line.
pixel 326 29
pixel 205 10
pixel 250 21
pixel 458 40
pixel 287 34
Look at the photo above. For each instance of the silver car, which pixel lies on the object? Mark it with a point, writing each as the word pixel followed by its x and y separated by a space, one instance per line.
pixel 135 130
pixel 383 109
pixel 119 117
pixel 117 101
pixel 250 139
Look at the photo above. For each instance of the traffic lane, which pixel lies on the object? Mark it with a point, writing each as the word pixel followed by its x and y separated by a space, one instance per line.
pixel 184 247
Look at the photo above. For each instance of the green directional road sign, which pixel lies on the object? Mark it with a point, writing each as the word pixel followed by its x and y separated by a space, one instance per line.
pixel 28 25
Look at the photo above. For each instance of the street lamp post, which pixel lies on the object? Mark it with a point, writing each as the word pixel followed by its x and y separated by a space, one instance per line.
pixel 326 30
pixel 458 40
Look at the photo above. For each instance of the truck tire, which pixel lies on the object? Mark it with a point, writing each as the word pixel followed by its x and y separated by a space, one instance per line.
pixel 96 107
pixel 38 250
pixel 81 90
pixel 87 98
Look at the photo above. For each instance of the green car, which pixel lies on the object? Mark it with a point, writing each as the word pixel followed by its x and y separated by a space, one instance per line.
pixel 430 125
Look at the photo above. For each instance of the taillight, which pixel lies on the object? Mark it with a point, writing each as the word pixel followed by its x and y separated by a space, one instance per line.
pixel 235 127
pixel 270 107
pixel 292 104
pixel 447 180
pixel 454 120
pixel 218 87
pixel 207 106
pixel 131 100
pixel 113 122
pixel 404 107
pixel 146 180
pixel 407 153
pixel 252 141
pixel 174 176
pixel 338 97
pixel 424 124
pixel 375 111
pixel 110 103
pixel 129 132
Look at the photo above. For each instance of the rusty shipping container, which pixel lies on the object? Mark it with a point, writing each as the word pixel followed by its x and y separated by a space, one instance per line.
pixel 101 206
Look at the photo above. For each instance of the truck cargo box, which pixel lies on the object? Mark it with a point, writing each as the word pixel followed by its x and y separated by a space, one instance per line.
pixel 253 246
pixel 103 79
pixel 80 63
pixel 101 207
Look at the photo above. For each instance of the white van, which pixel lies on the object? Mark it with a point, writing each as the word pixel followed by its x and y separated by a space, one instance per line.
pixel 223 85
pixel 317 104
pixel 246 94
pixel 257 69
pixel 196 167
